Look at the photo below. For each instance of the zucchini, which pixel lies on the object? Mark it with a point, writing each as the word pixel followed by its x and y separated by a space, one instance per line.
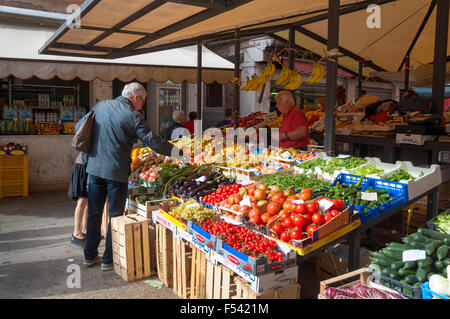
pixel 431 248
pixel 424 263
pixel 382 262
pixel 417 245
pixel 393 254
pixel 422 239
pixel 439 265
pixel 429 275
pixel 442 252
pixel 410 279
pixel 444 272
pixel 446 261
pixel 411 265
pixel 386 271
pixel 394 275
pixel 405 272
pixel 422 273
pixel 398 246
pixel 397 265
pixel 418 284
pixel 433 234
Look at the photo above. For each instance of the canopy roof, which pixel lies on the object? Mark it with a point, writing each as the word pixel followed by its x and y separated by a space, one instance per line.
pixel 115 28
pixel 20 58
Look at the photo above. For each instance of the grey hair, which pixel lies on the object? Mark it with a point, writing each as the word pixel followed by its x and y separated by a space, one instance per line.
pixel 286 97
pixel 177 115
pixel 132 89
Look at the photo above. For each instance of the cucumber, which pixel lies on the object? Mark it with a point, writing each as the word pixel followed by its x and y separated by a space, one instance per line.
pixel 417 245
pixel 431 248
pixel 410 279
pixel 439 265
pixel 397 265
pixel 422 239
pixel 394 275
pixel 398 247
pixel 386 271
pixel 424 263
pixel 411 265
pixel 382 262
pixel 393 254
pixel 433 234
pixel 442 252
pixel 405 272
pixel 377 254
pixel 418 284
pixel 446 261
pixel 422 273
pixel 444 272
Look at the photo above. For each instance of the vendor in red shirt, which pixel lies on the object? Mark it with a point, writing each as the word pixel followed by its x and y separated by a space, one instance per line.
pixel 294 130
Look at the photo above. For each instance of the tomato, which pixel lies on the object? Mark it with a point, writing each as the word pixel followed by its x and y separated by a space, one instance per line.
pixel 236 198
pixel 278 229
pixel 263 187
pixel 296 235
pixel 310 229
pixel 301 209
pixel 244 209
pixel 288 192
pixel 284 214
pixel 305 196
pixel 341 204
pixel 328 217
pixel 254 212
pixel 235 207
pixel 288 223
pixel 288 205
pixel 279 197
pixel 265 218
pixel 257 220
pixel 260 194
pixel 251 190
pixel 299 220
pixel 275 189
pixel 273 208
pixel 317 219
pixel 308 218
pixel 291 198
pixel 335 204
pixel 284 236
pixel 334 213
pixel 312 207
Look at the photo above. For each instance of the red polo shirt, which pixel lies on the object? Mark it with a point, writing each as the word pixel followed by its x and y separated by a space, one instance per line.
pixel 291 120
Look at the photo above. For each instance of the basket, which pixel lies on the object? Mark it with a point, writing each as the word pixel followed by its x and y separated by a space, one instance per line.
pixel 397 190
pixel 427 293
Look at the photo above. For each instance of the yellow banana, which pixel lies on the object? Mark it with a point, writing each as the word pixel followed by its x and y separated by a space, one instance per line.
pixel 247 83
pixel 321 73
pixel 313 74
pixel 285 76
pixel 296 81
pixel 254 83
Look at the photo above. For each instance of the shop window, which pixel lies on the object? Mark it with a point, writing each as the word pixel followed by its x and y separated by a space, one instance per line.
pixel 214 95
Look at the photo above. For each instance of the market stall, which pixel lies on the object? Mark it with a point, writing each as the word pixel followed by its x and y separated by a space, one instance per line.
pixel 342 193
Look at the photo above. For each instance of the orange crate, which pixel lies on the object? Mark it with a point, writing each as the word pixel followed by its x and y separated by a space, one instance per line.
pixel 13 176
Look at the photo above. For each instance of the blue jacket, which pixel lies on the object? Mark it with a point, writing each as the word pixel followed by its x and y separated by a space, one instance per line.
pixel 116 129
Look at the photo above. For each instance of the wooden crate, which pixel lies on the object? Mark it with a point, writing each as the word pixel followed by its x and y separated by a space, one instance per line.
pixel 359 276
pixel 198 274
pixel 182 263
pixel 220 282
pixel 243 291
pixel 164 254
pixel 325 268
pixel 417 220
pixel 131 241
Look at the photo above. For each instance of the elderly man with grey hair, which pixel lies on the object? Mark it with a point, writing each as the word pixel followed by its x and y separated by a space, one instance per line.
pixel 117 127
pixel 179 118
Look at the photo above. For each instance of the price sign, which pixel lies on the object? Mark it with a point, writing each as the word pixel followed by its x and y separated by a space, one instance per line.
pixel 298 201
pixel 201 179
pixel 286 155
pixel 413 255
pixel 371 197
pixel 325 205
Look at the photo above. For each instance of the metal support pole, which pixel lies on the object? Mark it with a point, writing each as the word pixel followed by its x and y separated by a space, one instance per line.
pixel 331 86
pixel 199 80
pixel 408 60
pixel 237 75
pixel 291 56
pixel 440 56
pixel 360 78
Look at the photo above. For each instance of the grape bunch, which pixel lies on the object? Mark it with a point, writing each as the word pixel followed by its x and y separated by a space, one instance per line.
pixel 192 210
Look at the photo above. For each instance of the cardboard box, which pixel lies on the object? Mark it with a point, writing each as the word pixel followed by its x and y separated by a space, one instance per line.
pixel 414 139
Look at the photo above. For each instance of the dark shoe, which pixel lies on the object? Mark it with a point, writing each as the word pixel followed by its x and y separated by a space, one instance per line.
pixel 107 267
pixel 77 241
pixel 92 262
pixel 84 235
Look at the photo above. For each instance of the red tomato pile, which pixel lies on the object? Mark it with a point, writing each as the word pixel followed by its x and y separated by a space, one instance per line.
pixel 221 194
pixel 244 240
pixel 299 221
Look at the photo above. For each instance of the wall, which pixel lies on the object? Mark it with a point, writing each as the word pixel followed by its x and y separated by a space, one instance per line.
pixel 50 159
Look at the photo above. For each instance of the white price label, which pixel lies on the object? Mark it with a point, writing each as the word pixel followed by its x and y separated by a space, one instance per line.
pixel 246 202
pixel 344 156
pixel 201 179
pixel 298 201
pixel 246 183
pixel 413 255
pixel 371 197
pixel 195 205
pixel 286 155
pixel 325 205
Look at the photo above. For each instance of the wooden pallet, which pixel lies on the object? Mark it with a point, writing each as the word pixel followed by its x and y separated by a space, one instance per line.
pixel 164 254
pixel 359 276
pixel 131 241
pixel 243 291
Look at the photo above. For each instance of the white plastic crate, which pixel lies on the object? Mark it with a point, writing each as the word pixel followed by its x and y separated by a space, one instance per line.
pixel 431 177
pixel 331 177
pixel 375 161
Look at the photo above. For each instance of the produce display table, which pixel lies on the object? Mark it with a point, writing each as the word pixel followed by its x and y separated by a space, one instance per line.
pixel 390 148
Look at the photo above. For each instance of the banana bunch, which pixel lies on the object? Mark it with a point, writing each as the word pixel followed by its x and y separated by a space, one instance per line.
pixel 317 74
pixel 295 82
pixel 253 83
pixel 285 76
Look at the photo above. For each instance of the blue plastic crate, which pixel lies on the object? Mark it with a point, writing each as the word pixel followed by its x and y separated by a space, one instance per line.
pixel 427 293
pixel 397 190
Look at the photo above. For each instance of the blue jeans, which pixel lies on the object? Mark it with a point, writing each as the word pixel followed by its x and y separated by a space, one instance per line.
pixel 99 189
